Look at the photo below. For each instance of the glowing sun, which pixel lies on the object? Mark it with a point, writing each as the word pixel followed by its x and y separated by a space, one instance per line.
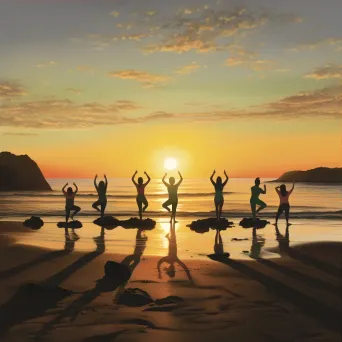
pixel 170 163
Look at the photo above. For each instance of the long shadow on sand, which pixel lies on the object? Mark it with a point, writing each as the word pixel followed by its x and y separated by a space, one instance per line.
pixel 284 242
pixel 329 316
pixel 32 300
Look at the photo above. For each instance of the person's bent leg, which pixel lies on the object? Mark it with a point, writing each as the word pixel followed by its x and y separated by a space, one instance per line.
pixel 95 206
pixel 145 202
pixel 166 204
pixel 76 211
pixel 262 205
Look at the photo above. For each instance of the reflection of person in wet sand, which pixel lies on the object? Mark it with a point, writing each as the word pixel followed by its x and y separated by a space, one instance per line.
pixel 283 240
pixel 100 241
pixel 219 186
pixel 284 202
pixel 257 243
pixel 256 191
pixel 172 188
pixel 172 257
pixel 218 246
pixel 101 189
pixel 141 199
pixel 70 240
pixel 69 202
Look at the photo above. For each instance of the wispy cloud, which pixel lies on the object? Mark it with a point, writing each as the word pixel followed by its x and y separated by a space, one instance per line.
pixel 74 91
pixel 20 134
pixel 44 65
pixel 146 79
pixel 61 114
pixel 328 71
pixel 335 42
pixel 11 90
pixel 188 69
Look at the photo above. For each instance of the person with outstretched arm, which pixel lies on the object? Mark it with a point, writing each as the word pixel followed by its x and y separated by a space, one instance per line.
pixel 219 186
pixel 172 188
pixel 101 189
pixel 69 202
pixel 254 201
pixel 141 198
pixel 284 204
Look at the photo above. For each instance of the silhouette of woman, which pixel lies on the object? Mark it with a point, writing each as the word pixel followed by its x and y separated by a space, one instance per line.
pixel 141 199
pixel 256 191
pixel 101 189
pixel 284 202
pixel 172 257
pixel 172 189
pixel 69 202
pixel 219 186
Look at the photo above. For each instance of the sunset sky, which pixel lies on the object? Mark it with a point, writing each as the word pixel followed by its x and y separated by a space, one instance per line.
pixel 111 86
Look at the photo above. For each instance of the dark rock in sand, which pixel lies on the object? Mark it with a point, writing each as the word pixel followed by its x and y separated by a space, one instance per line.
pixel 34 222
pixel 72 224
pixel 108 222
pixel 250 222
pixel 134 297
pixel 133 222
pixel 169 300
pixel 219 255
pixel 237 239
pixel 116 270
pixel 20 173
pixel 203 226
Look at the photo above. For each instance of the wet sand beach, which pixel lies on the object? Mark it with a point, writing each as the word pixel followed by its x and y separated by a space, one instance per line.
pixel 273 292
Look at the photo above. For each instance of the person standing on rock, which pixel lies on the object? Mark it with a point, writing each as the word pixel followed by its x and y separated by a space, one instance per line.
pixel 254 201
pixel 69 202
pixel 141 199
pixel 101 189
pixel 219 186
pixel 172 189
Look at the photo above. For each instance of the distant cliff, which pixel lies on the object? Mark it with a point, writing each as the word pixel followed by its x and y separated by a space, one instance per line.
pixel 20 173
pixel 318 175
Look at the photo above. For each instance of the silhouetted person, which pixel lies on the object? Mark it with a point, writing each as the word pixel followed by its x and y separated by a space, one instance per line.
pixel 101 189
pixel 172 188
pixel 284 202
pixel 256 191
pixel 219 186
pixel 141 199
pixel 172 257
pixel 69 202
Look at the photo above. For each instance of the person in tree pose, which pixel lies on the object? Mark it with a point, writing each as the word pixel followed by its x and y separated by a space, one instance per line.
pixel 141 199
pixel 69 202
pixel 172 189
pixel 256 191
pixel 101 189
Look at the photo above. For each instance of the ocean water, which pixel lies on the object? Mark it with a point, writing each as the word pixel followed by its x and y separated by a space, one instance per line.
pixel 313 209
pixel 196 198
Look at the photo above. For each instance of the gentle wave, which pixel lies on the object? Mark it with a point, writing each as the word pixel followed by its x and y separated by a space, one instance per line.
pixel 232 213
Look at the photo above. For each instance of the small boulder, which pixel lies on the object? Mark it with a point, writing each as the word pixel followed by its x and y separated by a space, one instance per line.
pixel 238 239
pixel 108 222
pixel 249 222
pixel 72 224
pixel 34 223
pixel 203 226
pixel 135 298
pixel 116 270
pixel 133 222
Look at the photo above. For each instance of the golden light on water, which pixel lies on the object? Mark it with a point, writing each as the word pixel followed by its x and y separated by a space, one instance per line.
pixel 170 164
